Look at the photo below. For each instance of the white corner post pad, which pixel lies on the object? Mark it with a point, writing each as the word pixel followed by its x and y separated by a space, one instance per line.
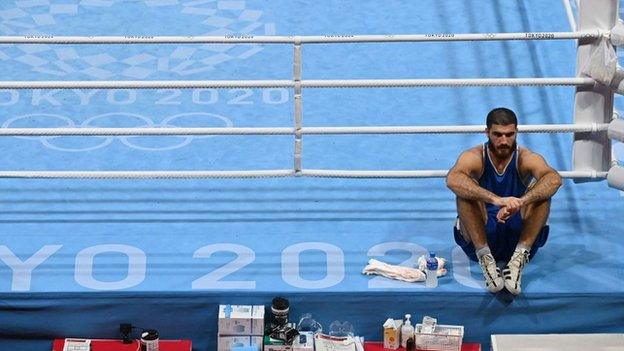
pixel 615 177
pixel 616 35
pixel 601 64
pixel 617 83
pixel 616 129
pixel 592 151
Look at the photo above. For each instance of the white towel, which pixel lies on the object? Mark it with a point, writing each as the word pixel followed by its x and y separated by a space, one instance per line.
pixel 405 274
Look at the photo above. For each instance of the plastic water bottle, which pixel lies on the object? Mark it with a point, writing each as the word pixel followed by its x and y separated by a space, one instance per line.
pixel 432 271
pixel 407 331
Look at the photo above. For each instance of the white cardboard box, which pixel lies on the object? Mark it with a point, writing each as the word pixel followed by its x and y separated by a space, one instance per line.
pixel 257 321
pixel 392 333
pixel 227 343
pixel 241 320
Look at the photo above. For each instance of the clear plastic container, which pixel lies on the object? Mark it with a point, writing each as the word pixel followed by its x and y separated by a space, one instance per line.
pixel 443 338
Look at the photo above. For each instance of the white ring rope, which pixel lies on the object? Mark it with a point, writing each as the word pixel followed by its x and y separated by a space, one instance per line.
pixel 253 174
pixel 139 131
pixel 460 82
pixel 423 174
pixel 337 83
pixel 537 128
pixel 144 84
pixel 313 39
pixel 146 174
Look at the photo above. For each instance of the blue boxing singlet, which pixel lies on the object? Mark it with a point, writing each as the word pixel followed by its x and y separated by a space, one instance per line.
pixel 509 183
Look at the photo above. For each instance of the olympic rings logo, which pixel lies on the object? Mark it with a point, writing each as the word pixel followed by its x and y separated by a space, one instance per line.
pixel 117 119
pixel 36 19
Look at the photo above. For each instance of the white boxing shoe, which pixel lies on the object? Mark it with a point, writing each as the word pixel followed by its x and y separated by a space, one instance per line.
pixel 493 280
pixel 513 271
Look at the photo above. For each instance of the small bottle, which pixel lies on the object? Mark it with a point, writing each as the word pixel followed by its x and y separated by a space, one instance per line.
pixel 411 345
pixel 407 330
pixel 432 271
